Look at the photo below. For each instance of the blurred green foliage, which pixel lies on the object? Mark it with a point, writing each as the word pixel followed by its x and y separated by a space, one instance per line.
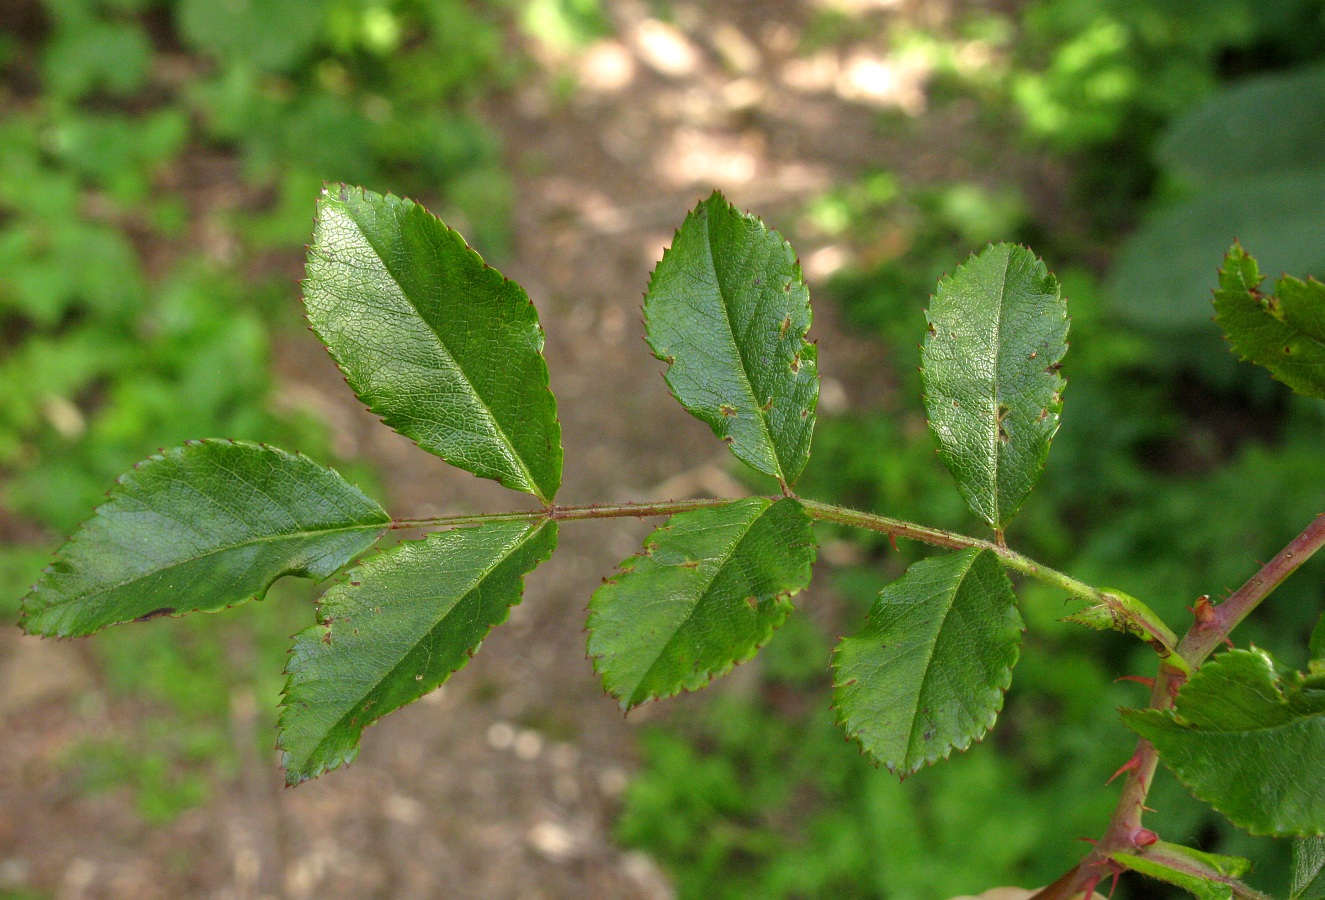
pixel 1248 163
pixel 1176 469
pixel 154 156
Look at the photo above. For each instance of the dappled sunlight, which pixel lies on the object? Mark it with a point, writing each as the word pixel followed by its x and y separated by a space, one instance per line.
pixel 665 49
pixel 606 68
pixel 699 157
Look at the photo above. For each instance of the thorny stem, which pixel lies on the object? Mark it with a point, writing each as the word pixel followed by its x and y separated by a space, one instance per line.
pixel 1125 831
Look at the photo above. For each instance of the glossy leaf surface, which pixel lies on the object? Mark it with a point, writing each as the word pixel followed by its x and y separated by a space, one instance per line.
pixel 1206 876
pixel 440 345
pixel 199 528
pixel 997 335
pixel 728 309
pixel 1248 741
pixel 708 591
pixel 1308 869
pixel 1283 332
pixel 927 672
pixel 405 620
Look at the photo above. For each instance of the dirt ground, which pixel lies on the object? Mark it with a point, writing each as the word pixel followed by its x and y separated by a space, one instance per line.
pixel 504 783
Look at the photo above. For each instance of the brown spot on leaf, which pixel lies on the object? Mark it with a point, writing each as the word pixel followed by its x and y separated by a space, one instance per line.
pixel 156 613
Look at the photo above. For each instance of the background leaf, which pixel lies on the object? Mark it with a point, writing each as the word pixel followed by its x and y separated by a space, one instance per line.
pixel 1308 868
pixel 202 527
pixel 1226 136
pixel 997 335
pixel 707 592
pixel 1283 332
pixel 1248 742
pixel 728 310
pixel 927 672
pixel 1162 276
pixel 399 627
pixel 440 345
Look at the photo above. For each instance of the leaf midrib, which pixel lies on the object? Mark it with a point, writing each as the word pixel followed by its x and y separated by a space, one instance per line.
pixel 760 416
pixel 514 454
pixel 479 578
pixel 699 598
pixel 998 371
pixel 929 654
pixel 285 536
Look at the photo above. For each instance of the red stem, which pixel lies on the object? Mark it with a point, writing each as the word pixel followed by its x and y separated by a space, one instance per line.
pixel 1125 831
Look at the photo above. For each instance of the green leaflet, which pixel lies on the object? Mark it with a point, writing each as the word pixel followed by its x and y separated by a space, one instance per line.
pixel 440 345
pixel 1248 741
pixel 201 527
pixel 1308 869
pixel 405 620
pixel 1283 332
pixel 997 335
pixel 728 310
pixel 707 592
pixel 927 672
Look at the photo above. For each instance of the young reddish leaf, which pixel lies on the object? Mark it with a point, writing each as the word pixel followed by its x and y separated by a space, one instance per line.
pixel 405 620
pixel 1206 876
pixel 997 335
pixel 927 673
pixel 706 594
pixel 728 309
pixel 440 345
pixel 199 528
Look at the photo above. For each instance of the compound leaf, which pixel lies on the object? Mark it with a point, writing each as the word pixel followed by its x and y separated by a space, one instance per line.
pixel 440 345
pixel 927 672
pixel 1308 869
pixel 707 593
pixel 1248 741
pixel 997 335
pixel 202 527
pixel 405 620
pixel 728 309
pixel 1283 332
pixel 1206 876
